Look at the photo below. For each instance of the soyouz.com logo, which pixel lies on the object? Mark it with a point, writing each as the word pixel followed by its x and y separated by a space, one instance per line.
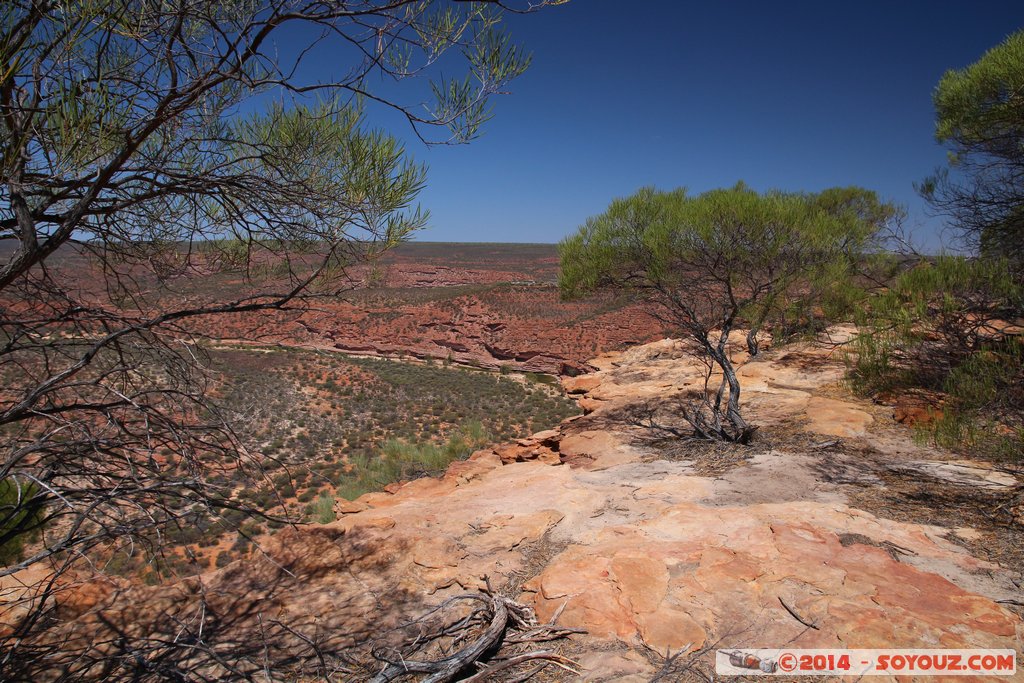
pixel 786 662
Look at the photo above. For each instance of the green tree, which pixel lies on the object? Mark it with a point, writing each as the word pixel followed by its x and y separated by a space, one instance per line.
pixel 144 145
pixel 941 325
pixel 980 119
pixel 721 260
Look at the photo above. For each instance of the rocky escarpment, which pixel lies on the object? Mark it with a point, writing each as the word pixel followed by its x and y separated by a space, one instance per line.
pixel 480 335
pixel 487 324
pixel 616 524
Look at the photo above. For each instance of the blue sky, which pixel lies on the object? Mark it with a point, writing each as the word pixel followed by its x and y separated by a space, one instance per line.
pixel 794 96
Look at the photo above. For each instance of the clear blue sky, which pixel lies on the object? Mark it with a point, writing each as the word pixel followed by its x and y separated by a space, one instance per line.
pixel 788 95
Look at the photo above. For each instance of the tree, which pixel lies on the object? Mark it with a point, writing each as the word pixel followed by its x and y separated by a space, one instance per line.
pixel 144 145
pixel 945 324
pixel 719 260
pixel 980 119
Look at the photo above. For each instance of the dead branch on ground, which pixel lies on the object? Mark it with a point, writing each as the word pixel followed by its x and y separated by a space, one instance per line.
pixel 447 641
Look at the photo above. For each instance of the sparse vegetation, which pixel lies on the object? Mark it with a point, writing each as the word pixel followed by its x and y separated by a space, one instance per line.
pixel 942 326
pixel 399 460
pixel 325 426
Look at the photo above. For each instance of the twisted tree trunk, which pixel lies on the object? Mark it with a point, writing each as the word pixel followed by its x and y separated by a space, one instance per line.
pixel 738 429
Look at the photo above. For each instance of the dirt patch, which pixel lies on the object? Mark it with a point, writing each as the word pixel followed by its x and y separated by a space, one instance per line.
pixel 715 458
pixel 906 496
pixel 708 458
pixel 535 559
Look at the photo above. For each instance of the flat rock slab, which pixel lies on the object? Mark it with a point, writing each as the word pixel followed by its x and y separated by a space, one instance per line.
pixel 694 574
pixel 836 418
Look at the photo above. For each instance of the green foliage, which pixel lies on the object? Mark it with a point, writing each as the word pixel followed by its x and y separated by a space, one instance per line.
pixel 980 120
pixel 984 404
pixel 939 327
pixel 19 519
pixel 321 510
pixel 927 296
pixel 401 460
pixel 723 244
pixel 973 103
pixel 944 306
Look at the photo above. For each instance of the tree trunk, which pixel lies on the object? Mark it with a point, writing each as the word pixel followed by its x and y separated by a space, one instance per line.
pixel 741 431
pixel 732 410
pixel 752 345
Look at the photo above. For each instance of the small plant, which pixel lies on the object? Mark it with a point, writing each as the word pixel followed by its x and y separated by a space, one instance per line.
pixel 321 510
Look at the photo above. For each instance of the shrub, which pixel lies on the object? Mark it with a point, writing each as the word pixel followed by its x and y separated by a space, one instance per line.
pixel 321 510
pixel 939 326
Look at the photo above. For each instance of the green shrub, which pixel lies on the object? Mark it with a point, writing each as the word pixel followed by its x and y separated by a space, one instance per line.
pixel 401 460
pixel 251 528
pixel 351 487
pixel 982 394
pixel 20 513
pixel 321 510
pixel 937 328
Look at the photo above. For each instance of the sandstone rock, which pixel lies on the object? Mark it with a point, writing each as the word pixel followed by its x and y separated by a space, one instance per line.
pixel 919 408
pixel 836 418
pixel 642 581
pixel 598 449
pixel 668 630
pixel 732 566
pixel 967 533
pixel 627 667
pixel 468 470
pixel 525 451
pixel 581 384
pixel 437 553
pixel 350 522
pixel 343 506
pixel 548 437
pixel 963 473
pixel 506 532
